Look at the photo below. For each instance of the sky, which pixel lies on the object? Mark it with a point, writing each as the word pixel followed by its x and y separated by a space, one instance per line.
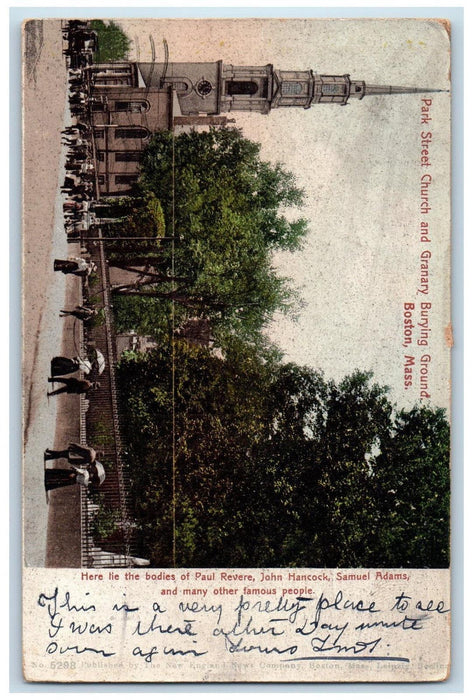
pixel 360 167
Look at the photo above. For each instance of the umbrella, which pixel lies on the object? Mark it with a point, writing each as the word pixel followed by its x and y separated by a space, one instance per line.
pixel 84 365
pixel 100 361
pixel 97 473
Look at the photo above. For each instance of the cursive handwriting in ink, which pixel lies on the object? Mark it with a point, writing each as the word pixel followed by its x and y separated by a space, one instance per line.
pixel 237 647
pixel 339 604
pixel 82 627
pixel 431 607
pixel 268 606
pixel 142 630
pixel 329 625
pixel 123 607
pixel 320 644
pixel 146 655
pixel 249 628
pixel 55 619
pixel 183 652
pixel 196 607
pixel 401 602
pixel 407 623
pixel 308 627
pixel 76 608
pixel 54 646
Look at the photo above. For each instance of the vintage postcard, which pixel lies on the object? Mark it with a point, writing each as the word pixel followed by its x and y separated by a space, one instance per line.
pixel 236 356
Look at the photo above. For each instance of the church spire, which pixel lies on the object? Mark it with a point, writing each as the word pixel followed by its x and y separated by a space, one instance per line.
pixel 384 89
pixel 218 87
pixel 306 88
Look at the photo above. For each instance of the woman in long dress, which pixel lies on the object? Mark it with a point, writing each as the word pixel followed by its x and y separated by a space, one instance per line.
pixel 66 365
pixel 84 469
pixel 59 478
pixel 73 386
pixel 75 454
pixel 74 266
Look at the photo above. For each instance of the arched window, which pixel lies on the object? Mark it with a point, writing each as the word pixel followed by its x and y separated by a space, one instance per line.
pixel 241 87
pixel 132 106
pixel 131 132
pixel 180 85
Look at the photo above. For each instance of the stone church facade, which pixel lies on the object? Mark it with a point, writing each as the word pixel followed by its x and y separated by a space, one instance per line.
pixel 129 101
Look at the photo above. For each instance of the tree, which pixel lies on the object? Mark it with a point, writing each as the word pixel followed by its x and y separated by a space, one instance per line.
pixel 112 40
pixel 274 465
pixel 412 473
pixel 215 423
pixel 226 209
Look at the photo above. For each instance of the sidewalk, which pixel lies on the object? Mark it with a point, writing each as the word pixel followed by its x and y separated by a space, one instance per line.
pixel 63 536
pixel 51 533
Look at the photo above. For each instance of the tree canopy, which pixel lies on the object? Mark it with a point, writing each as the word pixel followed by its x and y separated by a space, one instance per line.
pixel 274 465
pixel 228 211
pixel 113 43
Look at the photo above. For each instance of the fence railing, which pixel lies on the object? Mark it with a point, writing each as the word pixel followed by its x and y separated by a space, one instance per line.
pixel 109 535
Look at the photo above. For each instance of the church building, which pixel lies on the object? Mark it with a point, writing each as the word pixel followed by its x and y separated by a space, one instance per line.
pixel 130 101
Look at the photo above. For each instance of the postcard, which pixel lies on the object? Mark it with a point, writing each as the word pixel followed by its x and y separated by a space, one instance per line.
pixel 236 350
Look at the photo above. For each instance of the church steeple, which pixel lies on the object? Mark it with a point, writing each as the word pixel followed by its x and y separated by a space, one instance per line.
pixel 386 89
pixel 264 88
pixel 306 88
pixel 216 88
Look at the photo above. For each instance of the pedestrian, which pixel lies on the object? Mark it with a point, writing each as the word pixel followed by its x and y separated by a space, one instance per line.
pixel 83 313
pixel 66 365
pixel 70 182
pixel 82 127
pixel 71 265
pixel 68 206
pixel 75 266
pixel 58 478
pixel 76 454
pixel 73 386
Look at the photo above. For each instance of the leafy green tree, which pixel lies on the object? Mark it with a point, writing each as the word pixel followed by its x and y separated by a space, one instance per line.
pixel 412 473
pixel 227 210
pixel 113 43
pixel 138 218
pixel 215 424
pixel 274 465
pixel 147 317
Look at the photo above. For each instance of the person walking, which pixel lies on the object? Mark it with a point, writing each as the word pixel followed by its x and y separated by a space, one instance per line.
pixel 85 470
pixel 76 454
pixel 73 386
pixel 65 365
pixel 75 266
pixel 83 313
pixel 58 478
